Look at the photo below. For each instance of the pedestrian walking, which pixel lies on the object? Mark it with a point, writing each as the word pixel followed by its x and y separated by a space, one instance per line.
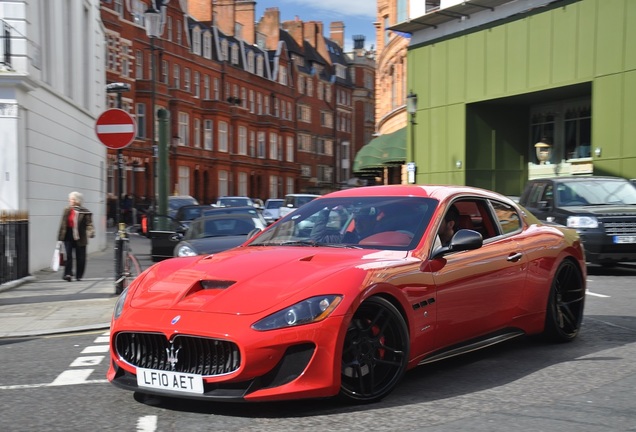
pixel 76 228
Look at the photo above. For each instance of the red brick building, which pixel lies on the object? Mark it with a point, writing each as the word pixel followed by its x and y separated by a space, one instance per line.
pixel 255 109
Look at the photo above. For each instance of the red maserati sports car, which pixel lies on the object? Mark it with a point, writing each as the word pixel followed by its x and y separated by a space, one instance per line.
pixel 345 294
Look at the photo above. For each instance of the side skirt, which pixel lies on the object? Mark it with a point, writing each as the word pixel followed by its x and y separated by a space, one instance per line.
pixel 473 346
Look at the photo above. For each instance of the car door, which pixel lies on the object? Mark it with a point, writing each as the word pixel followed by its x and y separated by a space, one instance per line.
pixel 540 199
pixel 479 291
pixel 164 234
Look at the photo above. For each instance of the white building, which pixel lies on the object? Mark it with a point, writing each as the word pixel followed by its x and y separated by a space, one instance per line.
pixel 52 89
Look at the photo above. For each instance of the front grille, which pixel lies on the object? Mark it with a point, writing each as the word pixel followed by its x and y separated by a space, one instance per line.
pixel 620 227
pixel 187 354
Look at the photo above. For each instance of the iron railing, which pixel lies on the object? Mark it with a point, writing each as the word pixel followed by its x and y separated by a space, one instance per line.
pixel 14 245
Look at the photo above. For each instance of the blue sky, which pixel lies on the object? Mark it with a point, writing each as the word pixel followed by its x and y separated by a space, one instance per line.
pixel 357 15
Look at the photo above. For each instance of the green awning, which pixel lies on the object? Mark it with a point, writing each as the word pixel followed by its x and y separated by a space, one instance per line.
pixel 389 149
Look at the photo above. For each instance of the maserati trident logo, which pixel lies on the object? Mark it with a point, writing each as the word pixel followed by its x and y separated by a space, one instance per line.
pixel 173 355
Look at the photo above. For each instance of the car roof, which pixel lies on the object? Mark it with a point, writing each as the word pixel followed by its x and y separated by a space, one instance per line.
pixel 439 192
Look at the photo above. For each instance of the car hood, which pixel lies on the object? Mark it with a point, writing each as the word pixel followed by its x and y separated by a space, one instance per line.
pixel 601 210
pixel 249 280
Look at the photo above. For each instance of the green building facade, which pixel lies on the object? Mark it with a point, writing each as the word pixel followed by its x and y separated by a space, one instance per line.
pixel 563 74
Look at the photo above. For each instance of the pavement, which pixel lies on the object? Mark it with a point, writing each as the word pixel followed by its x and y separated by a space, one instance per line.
pixel 45 304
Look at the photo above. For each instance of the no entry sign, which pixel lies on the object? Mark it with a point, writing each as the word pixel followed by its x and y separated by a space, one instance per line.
pixel 115 128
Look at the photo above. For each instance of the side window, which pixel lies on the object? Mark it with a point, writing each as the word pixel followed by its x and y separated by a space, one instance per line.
pixel 475 215
pixel 507 217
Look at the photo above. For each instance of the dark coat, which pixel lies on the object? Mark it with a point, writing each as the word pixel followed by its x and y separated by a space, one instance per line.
pixel 85 227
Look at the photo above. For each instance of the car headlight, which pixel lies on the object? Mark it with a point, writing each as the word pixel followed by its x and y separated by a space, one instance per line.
pixel 582 222
pixel 119 306
pixel 185 250
pixel 305 312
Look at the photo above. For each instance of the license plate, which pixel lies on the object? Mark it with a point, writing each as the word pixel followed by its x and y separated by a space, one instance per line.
pixel 624 239
pixel 175 381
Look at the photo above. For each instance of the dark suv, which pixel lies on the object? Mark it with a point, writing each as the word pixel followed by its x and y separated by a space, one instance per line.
pixel 601 209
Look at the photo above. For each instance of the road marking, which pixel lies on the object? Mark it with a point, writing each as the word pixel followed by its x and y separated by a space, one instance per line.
pixel 588 292
pixel 71 377
pixel 87 361
pixel 147 423
pixel 95 349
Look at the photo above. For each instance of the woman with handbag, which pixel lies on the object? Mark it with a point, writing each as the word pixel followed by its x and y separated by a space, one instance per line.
pixel 76 228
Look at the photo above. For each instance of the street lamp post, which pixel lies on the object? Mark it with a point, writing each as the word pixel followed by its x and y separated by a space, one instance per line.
pixel 152 18
pixel 411 108
pixel 118 88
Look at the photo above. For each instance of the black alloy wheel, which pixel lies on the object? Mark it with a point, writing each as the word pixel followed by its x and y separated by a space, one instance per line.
pixel 375 352
pixel 565 304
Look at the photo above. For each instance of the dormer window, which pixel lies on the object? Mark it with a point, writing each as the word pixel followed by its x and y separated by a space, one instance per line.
pixel 235 54
pixel 224 50
pixel 207 45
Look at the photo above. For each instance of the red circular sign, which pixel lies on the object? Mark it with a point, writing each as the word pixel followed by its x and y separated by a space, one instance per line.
pixel 115 128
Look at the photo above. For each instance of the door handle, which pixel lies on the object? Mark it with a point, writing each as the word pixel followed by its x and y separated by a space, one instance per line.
pixel 514 257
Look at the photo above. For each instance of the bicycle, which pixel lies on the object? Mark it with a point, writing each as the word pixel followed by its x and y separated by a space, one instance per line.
pixel 127 267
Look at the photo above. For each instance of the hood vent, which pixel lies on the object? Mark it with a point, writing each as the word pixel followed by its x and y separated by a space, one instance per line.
pixel 216 284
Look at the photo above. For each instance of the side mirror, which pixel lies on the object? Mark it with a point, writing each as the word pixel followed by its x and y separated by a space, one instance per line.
pixel 545 205
pixel 463 240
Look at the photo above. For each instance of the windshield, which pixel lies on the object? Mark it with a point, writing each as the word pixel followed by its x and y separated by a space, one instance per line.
pixel 596 192
pixel 395 223
pixel 273 204
pixel 218 227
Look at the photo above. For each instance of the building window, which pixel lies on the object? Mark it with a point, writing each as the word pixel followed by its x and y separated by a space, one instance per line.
pixel 261 145
pixel 304 113
pixel 273 146
pixel 289 150
pixel 223 183
pixel 305 171
pixel 217 89
pixel 196 41
pixel 242 140
pixel 223 137
pixel 304 143
pixel 197 85
pixel 289 185
pixel 259 65
pixel 207 45
pixel 141 120
pixel 259 104
pixel 179 32
pixel 197 133
pixel 139 65
pixel 183 187
pixel 224 50
pixel 250 62
pixel 164 72
pixel 252 102
pixel 206 85
pixel 301 84
pixel 252 144
pixel 242 184
pixel 310 87
pixel 235 52
pixel 184 129
pixel 326 119
pixel 186 79
pixel 565 125
pixel 208 134
pixel 282 75
pixel 177 76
